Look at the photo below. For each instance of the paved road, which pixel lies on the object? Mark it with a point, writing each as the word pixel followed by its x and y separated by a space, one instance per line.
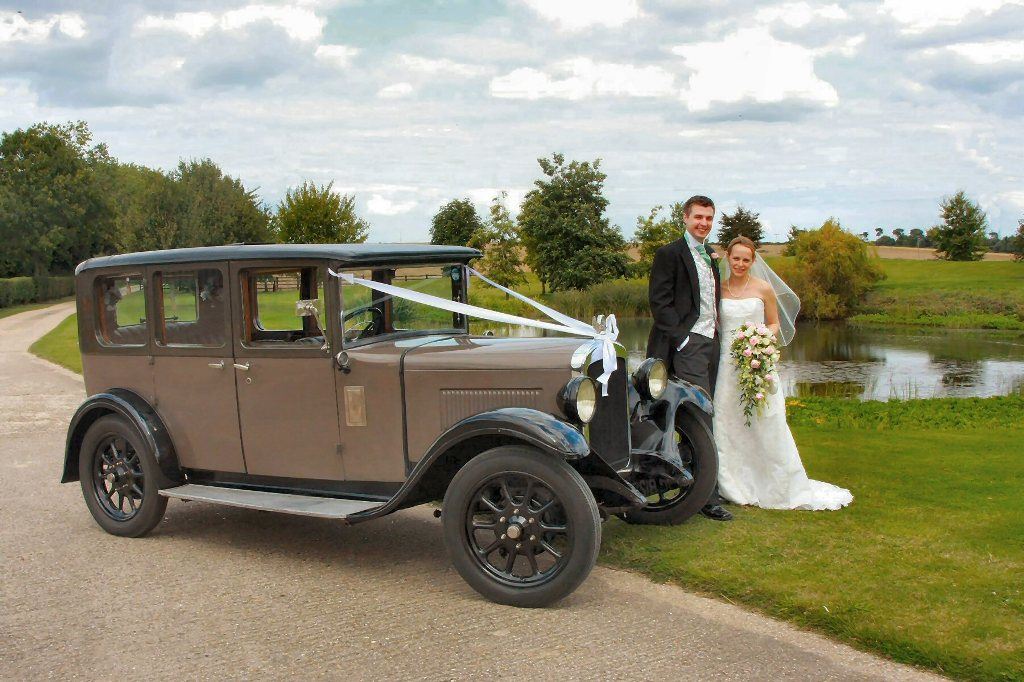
pixel 221 592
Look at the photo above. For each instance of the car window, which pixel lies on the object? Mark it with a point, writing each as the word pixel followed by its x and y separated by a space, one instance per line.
pixel 369 315
pixel 121 309
pixel 194 308
pixel 271 313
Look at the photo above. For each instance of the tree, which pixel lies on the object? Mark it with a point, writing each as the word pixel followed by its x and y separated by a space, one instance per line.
pixel 878 232
pixel 900 235
pixel 791 237
pixel 455 223
pixel 917 237
pixel 651 234
pixel 148 207
pixel 961 236
pixel 217 208
pixel 1017 242
pixel 831 271
pixel 317 215
pixel 53 210
pixel 569 242
pixel 742 223
pixel 499 240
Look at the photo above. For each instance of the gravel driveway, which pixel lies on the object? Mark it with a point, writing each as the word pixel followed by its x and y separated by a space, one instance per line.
pixel 220 592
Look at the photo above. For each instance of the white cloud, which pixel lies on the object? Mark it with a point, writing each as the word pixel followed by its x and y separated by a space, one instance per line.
pixel 300 23
pixel 339 56
pixel 192 24
pixel 751 64
pixel 583 78
pixel 444 67
pixel 918 15
pixel 574 15
pixel 380 205
pixel 15 28
pixel 847 47
pixel 991 52
pixel 799 14
pixel 395 90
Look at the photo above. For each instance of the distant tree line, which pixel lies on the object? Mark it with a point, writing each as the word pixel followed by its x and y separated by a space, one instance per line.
pixel 64 198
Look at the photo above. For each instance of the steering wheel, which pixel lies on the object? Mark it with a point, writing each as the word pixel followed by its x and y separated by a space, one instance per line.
pixel 374 327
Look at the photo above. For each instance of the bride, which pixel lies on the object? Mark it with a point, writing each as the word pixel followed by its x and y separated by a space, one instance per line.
pixel 759 464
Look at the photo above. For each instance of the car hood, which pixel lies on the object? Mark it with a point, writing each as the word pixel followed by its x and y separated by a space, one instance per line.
pixel 493 353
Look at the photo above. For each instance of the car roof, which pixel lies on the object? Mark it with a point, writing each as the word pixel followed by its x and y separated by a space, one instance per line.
pixel 347 254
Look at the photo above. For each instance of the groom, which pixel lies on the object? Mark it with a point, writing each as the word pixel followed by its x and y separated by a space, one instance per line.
pixel 684 293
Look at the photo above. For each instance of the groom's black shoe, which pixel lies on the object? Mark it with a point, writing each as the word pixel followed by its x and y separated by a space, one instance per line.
pixel 716 512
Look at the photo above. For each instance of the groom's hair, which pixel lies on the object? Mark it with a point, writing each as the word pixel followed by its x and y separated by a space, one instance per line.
pixel 697 200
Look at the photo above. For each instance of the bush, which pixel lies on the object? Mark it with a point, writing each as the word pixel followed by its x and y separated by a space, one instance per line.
pixel 623 297
pixel 831 271
pixel 21 290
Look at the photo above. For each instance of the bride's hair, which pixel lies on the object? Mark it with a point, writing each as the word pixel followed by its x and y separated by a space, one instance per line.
pixel 743 241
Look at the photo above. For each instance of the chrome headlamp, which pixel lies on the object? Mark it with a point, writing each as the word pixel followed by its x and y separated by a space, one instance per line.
pixel 578 400
pixel 651 378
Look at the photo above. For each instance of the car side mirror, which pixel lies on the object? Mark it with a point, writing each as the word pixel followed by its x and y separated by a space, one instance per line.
pixel 306 307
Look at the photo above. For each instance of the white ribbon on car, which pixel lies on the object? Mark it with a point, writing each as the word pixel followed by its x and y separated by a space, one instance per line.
pixel 606 335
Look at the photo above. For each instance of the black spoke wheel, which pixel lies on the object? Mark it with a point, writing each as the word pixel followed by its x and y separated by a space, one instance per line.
pixel 669 500
pixel 521 526
pixel 118 476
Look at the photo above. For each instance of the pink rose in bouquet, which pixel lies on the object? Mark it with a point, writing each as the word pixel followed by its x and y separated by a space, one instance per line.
pixel 755 351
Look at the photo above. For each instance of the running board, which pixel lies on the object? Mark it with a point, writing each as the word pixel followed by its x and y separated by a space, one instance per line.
pixel 306 505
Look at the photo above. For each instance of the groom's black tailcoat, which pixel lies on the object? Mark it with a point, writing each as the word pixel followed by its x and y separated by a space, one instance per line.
pixel 674 295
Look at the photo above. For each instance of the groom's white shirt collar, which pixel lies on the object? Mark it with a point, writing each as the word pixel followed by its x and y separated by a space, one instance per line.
pixel 691 240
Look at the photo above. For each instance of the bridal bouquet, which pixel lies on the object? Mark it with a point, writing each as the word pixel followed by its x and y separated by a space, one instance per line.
pixel 756 352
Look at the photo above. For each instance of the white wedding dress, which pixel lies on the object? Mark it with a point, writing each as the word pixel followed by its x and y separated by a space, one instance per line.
pixel 759 464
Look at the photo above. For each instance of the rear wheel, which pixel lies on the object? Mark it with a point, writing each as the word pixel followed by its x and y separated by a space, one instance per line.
pixel 118 473
pixel 522 527
pixel 668 502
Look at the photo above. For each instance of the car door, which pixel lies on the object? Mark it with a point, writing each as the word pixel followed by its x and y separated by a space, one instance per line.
pixel 193 379
pixel 284 373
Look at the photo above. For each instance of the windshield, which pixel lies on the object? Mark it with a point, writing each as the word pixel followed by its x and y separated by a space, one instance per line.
pixel 368 315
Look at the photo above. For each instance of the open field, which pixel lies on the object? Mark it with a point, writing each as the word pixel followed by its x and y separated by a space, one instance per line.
pixel 979 295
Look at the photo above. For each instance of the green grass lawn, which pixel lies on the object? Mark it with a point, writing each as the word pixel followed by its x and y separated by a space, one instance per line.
pixel 925 566
pixel 965 295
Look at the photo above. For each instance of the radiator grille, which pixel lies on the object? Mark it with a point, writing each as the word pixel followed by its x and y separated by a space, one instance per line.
pixel 609 429
pixel 459 403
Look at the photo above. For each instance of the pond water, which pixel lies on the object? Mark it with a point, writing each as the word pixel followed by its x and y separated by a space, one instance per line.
pixel 834 359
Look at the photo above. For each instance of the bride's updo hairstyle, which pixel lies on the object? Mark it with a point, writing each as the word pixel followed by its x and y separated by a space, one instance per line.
pixel 742 241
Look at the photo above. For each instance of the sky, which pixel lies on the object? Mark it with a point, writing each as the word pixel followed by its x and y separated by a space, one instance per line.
pixel 870 112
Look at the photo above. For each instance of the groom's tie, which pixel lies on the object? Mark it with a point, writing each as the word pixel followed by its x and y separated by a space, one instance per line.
pixel 704 254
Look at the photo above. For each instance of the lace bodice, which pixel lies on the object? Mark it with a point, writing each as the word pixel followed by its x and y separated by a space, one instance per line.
pixel 737 311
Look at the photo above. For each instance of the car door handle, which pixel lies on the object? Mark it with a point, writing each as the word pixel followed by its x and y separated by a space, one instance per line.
pixel 216 365
pixel 243 367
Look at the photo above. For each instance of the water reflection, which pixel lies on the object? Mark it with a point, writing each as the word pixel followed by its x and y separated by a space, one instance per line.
pixel 834 359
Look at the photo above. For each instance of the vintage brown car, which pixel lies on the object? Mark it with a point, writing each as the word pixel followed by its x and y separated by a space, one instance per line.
pixel 247 375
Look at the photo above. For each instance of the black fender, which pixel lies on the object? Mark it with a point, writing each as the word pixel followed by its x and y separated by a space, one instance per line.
pixel 652 427
pixel 496 427
pixel 140 414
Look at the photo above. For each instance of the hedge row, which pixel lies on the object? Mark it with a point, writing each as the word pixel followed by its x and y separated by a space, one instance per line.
pixel 21 290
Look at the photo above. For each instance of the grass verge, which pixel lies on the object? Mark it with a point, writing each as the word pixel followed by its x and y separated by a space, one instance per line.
pixel 60 345
pixel 924 567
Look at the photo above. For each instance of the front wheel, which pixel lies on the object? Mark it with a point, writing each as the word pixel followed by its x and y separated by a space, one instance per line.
pixel 119 478
pixel 522 527
pixel 669 503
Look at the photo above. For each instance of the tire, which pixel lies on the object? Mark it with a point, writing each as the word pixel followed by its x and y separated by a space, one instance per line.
pixel 118 473
pixel 698 451
pixel 521 526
